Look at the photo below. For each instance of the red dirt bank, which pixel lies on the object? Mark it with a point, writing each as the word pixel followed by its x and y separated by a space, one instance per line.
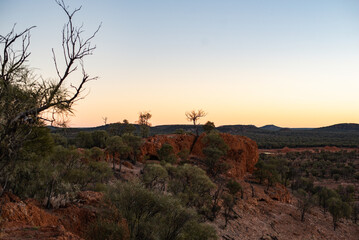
pixel 26 220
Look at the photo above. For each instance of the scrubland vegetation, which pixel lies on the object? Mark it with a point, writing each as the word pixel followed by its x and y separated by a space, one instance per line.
pixel 307 174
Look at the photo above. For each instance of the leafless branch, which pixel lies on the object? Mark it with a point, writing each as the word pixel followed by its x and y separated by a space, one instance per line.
pixel 75 48
pixel 13 60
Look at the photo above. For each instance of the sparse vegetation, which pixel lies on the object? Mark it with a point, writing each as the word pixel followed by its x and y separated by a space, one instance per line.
pixel 301 170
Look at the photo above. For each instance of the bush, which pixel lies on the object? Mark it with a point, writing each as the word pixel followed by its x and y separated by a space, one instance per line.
pixel 338 210
pixel 155 216
pixel 103 229
pixel 165 153
pixel 154 176
pixel 191 185
pixel 215 148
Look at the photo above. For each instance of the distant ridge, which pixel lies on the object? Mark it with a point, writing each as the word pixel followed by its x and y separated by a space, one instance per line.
pixel 267 137
pixel 341 127
pixel 234 129
pixel 237 129
pixel 271 127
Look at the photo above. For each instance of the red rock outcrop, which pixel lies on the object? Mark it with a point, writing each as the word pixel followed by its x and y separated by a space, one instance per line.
pixel 241 156
pixel 27 220
pixel 15 212
pixel 177 141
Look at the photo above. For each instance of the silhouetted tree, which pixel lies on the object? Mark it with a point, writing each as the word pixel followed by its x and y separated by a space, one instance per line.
pixel 194 116
pixel 121 128
pixel 208 127
pixel 143 121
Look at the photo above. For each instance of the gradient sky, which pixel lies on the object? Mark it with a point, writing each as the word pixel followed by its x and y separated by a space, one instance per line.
pixel 289 63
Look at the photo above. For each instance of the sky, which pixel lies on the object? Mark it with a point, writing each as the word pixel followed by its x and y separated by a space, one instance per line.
pixel 288 63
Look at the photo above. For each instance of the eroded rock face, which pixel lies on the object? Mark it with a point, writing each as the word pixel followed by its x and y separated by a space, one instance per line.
pixel 177 141
pixel 241 156
pixel 15 212
pixel 27 220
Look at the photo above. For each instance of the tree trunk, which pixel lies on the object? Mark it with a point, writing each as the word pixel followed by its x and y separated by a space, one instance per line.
pixel 113 163
pixel 120 167
pixel 302 215
pixel 226 216
pixel 5 185
pixel 194 142
pixel 50 194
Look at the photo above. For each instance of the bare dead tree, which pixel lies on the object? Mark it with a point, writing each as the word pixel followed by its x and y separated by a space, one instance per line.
pixel 104 120
pixel 144 123
pixel 26 101
pixel 75 49
pixel 194 116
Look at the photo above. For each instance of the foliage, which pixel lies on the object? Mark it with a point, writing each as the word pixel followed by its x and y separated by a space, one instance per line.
pixel 48 172
pixel 266 171
pixel 324 195
pixel 21 176
pixel 228 204
pixel 105 230
pixel 165 153
pixel 116 147
pixel 133 143
pixel 215 148
pixel 183 155
pixel 338 209
pixel 84 140
pixel 92 139
pixel 99 138
pixel 109 225
pixel 65 172
pixel 306 201
pixel 95 154
pixel 27 101
pixel 233 187
pixel 191 185
pixel 155 176
pixel 208 127
pixel 198 231
pixel 155 216
pixel 119 129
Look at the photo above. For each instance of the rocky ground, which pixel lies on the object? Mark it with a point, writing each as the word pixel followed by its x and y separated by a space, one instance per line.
pixel 273 214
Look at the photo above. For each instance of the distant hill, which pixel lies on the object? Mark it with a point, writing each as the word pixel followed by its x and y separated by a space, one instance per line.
pixel 270 127
pixel 236 129
pixel 341 127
